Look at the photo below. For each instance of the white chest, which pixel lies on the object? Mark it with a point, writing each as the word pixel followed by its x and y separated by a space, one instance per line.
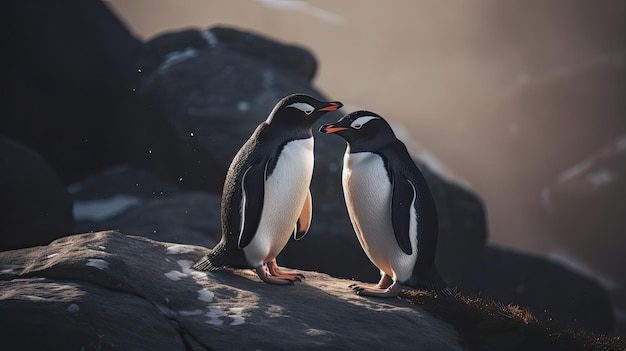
pixel 284 195
pixel 368 194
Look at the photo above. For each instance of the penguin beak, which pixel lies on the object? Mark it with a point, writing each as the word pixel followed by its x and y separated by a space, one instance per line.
pixel 332 106
pixel 329 128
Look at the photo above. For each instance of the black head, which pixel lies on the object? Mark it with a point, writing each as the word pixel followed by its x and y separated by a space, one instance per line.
pixel 299 110
pixel 363 130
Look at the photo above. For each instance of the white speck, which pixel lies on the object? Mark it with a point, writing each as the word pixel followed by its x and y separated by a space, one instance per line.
pixel 205 295
pixel 34 298
pixel 139 70
pixel 180 179
pixel 243 106
pixel 186 271
pixel 149 151
pixel 101 209
pixel 191 134
pixel 191 313
pixel 601 178
pixel 179 249
pixel 575 264
pixel 175 275
pixel 98 263
pixel 52 255
pixel 73 308
pixel 177 57
pixel 210 38
pixel 235 314
pixel 305 7
pixel 214 314
pixel 575 171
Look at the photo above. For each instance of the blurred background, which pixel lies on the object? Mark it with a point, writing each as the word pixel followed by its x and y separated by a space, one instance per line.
pixel 523 102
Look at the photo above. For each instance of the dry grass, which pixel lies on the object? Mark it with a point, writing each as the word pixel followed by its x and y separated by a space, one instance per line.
pixel 488 325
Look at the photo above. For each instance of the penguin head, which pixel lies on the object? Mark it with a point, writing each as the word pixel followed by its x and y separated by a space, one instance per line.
pixel 362 128
pixel 300 110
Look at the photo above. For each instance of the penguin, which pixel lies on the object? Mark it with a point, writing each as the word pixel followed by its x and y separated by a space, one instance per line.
pixel 390 206
pixel 266 196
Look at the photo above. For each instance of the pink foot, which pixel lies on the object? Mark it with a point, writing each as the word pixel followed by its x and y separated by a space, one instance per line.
pixel 276 271
pixel 390 291
pixel 265 276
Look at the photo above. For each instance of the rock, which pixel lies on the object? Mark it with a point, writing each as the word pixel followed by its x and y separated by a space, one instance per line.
pixel 548 289
pixel 583 207
pixel 108 290
pixel 36 208
pixel 64 83
pixel 200 94
pixel 134 201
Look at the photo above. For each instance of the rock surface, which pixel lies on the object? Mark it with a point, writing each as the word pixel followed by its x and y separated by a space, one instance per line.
pixel 108 290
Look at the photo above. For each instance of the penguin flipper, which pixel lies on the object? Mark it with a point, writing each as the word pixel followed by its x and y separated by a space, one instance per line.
pixel 252 194
pixel 403 199
pixel 304 221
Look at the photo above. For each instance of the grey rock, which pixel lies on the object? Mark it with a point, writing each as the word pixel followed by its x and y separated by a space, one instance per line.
pixel 550 290
pixel 108 290
pixel 200 94
pixel 132 200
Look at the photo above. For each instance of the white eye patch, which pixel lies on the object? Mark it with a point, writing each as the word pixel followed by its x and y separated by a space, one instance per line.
pixel 360 122
pixel 303 106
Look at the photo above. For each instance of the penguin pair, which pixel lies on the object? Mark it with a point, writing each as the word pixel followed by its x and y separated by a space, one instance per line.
pixel 266 198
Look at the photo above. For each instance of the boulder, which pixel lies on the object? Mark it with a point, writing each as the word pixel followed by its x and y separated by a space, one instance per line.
pixel 548 289
pixel 36 208
pixel 108 290
pixel 201 93
pixel 583 207
pixel 63 91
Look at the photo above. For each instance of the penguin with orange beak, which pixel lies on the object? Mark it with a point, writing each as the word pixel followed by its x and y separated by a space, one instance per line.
pixel 390 206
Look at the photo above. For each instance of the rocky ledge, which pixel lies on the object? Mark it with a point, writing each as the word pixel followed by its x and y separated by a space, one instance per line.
pixel 107 290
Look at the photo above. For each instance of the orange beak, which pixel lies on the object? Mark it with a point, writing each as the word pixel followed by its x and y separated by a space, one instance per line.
pixel 331 129
pixel 332 106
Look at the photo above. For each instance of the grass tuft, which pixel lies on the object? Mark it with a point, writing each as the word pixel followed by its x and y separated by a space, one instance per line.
pixel 488 325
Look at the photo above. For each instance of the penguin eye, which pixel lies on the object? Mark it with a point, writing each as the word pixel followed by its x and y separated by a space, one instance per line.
pixel 361 121
pixel 303 106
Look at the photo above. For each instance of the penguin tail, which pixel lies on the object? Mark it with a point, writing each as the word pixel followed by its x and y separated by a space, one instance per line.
pixel 211 262
pixel 432 280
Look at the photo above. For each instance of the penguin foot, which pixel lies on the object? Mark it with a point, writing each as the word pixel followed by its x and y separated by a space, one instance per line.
pixel 277 272
pixel 265 276
pixel 391 291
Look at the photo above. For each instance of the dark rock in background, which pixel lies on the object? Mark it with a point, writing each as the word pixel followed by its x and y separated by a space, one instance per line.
pixel 36 208
pixel 550 290
pixel 587 200
pixel 62 86
pixel 135 201
pixel 200 94
pixel 107 290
